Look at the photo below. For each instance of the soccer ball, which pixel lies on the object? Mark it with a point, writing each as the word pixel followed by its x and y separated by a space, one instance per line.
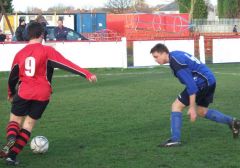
pixel 39 144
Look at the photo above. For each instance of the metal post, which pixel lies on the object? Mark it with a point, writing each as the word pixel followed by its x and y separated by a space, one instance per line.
pixel 6 17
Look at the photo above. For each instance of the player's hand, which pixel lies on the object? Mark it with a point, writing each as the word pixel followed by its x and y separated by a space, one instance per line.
pixel 92 78
pixel 10 99
pixel 192 114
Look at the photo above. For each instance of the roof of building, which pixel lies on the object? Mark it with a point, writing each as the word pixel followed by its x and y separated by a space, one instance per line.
pixel 170 7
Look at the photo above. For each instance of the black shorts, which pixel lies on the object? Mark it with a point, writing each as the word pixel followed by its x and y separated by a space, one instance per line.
pixel 203 97
pixel 32 108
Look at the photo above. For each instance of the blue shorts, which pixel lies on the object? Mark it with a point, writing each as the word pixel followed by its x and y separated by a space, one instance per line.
pixel 203 97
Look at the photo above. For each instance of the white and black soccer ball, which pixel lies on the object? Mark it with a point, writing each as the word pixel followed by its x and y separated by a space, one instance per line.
pixel 39 144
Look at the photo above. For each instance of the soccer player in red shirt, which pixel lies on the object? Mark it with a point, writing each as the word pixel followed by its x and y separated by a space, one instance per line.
pixel 31 72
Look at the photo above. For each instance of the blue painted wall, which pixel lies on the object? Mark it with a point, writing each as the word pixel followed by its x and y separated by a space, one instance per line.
pixel 90 22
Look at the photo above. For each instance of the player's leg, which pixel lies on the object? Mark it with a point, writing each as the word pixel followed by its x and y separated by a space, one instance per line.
pixel 12 130
pixel 219 117
pixel 176 120
pixel 21 141
pixel 36 110
pixel 203 101
pixel 214 115
pixel 18 111
pixel 13 126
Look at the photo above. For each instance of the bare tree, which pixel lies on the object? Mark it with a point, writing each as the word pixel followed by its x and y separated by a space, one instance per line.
pixel 60 8
pixel 34 10
pixel 141 6
pixel 119 6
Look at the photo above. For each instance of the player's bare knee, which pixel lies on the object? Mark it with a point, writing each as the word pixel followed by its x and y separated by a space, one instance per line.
pixel 200 114
pixel 17 119
pixel 177 106
pixel 201 111
pixel 29 123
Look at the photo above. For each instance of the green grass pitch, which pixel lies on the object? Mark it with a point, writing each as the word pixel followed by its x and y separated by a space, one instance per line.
pixel 119 121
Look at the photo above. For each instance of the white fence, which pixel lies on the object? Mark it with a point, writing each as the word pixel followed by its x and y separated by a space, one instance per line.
pixel 226 50
pixel 7 53
pixel 141 50
pixel 114 54
pixel 85 54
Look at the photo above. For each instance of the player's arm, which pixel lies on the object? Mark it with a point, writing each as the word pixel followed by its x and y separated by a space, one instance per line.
pixel 184 74
pixel 192 109
pixel 56 60
pixel 13 80
pixel 186 77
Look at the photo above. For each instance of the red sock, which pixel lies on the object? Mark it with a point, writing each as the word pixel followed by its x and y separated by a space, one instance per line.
pixel 12 130
pixel 21 141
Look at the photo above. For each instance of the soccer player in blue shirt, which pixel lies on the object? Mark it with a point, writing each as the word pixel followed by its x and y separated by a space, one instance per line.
pixel 200 87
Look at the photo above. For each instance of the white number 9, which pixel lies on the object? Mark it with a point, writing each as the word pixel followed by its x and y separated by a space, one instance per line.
pixel 30 66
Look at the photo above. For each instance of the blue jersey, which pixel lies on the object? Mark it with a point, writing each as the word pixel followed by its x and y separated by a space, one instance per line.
pixel 190 71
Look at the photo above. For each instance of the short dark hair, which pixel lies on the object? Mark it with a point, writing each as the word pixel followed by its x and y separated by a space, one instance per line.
pixel 159 48
pixel 21 19
pixel 35 30
pixel 60 19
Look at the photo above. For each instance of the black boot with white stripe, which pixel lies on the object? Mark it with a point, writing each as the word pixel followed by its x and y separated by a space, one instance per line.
pixel 170 143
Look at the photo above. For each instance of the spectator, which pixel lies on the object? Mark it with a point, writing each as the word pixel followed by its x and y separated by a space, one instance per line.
pixel 25 32
pixel 60 31
pixel 40 19
pixel 20 30
pixel 2 36
pixel 235 29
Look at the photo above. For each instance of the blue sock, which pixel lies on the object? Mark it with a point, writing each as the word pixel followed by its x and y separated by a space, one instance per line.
pixel 176 125
pixel 219 117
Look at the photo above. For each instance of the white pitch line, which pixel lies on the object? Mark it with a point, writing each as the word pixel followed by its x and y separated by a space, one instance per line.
pixel 138 73
pixel 107 74
pixel 225 73
pixel 130 73
pixel 111 74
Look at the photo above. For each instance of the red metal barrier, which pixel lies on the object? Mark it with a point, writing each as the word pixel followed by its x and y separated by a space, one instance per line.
pixel 149 26
pixel 116 23
pixel 103 35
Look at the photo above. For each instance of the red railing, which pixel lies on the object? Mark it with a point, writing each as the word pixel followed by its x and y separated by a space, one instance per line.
pixel 103 35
